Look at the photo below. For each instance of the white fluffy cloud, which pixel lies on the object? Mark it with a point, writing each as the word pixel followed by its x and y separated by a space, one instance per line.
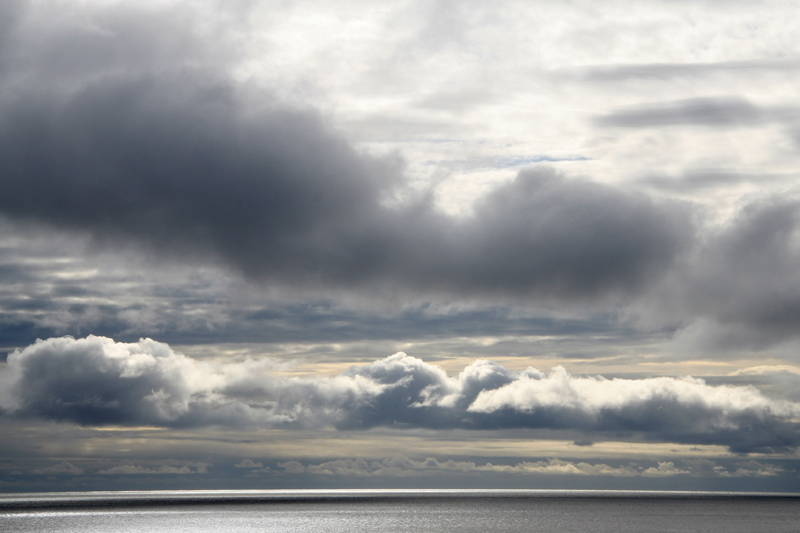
pixel 95 381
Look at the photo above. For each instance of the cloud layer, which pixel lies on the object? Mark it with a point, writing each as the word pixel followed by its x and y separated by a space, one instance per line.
pixel 709 112
pixel 95 381
pixel 403 466
pixel 125 125
pixel 184 167
pixel 329 182
pixel 164 150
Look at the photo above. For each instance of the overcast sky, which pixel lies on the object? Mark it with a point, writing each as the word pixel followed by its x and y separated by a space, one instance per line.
pixel 399 244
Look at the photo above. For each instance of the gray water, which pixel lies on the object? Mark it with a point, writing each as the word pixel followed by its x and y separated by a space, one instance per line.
pixel 398 511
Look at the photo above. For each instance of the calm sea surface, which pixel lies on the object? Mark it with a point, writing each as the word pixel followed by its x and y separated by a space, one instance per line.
pixel 351 511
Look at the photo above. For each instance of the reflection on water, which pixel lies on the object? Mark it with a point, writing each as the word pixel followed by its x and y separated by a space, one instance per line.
pixel 320 511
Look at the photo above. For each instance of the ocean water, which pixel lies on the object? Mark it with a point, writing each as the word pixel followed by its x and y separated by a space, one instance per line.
pixel 399 511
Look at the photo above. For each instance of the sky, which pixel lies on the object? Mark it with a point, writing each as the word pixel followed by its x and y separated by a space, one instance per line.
pixel 407 244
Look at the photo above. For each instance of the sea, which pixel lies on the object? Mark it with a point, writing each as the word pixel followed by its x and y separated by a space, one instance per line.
pixel 317 511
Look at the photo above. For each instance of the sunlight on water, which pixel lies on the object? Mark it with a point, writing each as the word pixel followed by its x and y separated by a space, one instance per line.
pixel 470 511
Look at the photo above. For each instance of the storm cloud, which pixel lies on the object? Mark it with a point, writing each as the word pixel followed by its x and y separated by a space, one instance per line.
pixel 96 381
pixel 740 285
pixel 666 71
pixel 187 169
pixel 119 123
pixel 147 143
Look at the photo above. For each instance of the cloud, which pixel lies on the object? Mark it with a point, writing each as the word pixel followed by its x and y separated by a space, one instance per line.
pixel 695 181
pixel 151 143
pixel 710 112
pixel 559 467
pixel 187 164
pixel 64 467
pixel 129 469
pixel 292 467
pixel 767 369
pixel 669 71
pixel 133 126
pixel 674 409
pixel 740 287
pixel 666 468
pixel 757 256
pixel 254 467
pixel 753 469
pixel 276 195
pixel 96 381
pixel 405 467
pixel 548 235
pixel 249 463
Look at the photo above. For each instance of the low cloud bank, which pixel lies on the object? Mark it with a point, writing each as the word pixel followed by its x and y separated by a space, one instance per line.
pixel 409 467
pixel 95 381
pixel 129 469
pixel 403 466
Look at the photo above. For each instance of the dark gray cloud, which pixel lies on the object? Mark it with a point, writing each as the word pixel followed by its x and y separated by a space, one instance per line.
pixel 699 180
pixel 710 112
pixel 55 286
pixel 95 381
pixel 668 71
pixel 187 168
pixel 736 291
pixel 570 237
pixel 140 158
pixel 745 277
pixel 120 124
